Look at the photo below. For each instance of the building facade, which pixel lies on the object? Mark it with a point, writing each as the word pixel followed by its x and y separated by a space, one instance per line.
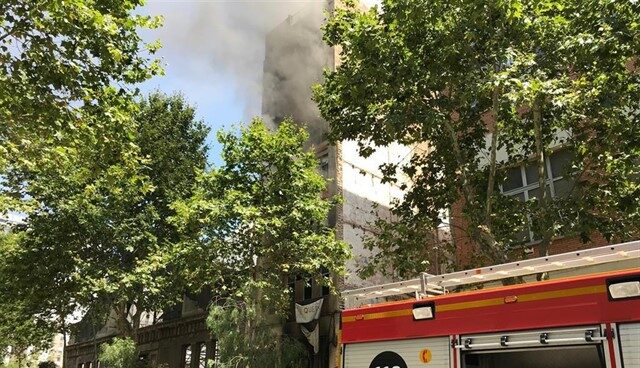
pixel 295 57
pixel 175 338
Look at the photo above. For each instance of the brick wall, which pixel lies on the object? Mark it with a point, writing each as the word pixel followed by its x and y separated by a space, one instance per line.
pixel 465 247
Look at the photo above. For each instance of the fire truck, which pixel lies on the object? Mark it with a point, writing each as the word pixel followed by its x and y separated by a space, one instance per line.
pixel 587 321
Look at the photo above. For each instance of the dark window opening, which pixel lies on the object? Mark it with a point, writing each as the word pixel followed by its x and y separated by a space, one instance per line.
pixel 144 360
pixel 323 165
pixel 325 281
pixel 186 357
pixel 308 288
pixel 202 355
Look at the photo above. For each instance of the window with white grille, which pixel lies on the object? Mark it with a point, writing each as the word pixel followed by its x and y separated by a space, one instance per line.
pixel 522 182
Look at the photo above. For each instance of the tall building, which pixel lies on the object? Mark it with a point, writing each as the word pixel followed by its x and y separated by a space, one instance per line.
pixel 295 57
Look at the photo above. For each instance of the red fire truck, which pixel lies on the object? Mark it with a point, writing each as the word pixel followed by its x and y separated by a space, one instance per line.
pixel 588 321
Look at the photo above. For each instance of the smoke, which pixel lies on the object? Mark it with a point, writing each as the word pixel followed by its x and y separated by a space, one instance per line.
pixel 224 41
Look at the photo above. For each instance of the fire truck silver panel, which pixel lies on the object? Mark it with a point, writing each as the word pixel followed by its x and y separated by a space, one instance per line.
pixel 630 344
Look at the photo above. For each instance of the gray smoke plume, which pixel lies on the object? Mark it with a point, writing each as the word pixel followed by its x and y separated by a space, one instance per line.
pixel 226 39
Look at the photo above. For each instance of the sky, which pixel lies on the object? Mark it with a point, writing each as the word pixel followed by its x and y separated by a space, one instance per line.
pixel 213 52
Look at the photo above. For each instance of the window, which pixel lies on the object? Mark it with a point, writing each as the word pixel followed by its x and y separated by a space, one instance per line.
pixel 522 182
pixel 143 359
pixel 524 179
pixel 326 278
pixel 216 354
pixel 186 356
pixel 553 357
pixel 202 355
pixel 305 287
pixel 308 288
pixel 323 165
pixel 292 287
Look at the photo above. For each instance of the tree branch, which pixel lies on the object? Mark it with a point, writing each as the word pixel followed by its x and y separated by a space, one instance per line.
pixel 492 160
pixel 542 182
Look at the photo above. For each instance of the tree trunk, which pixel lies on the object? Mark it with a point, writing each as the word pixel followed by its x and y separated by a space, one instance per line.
pixel 64 344
pixel 480 232
pixel 125 328
pixel 467 191
pixel 493 158
pixel 543 200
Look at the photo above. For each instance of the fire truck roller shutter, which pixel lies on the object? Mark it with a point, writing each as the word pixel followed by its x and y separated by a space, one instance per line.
pixel 572 347
pixel 629 335
pixel 413 353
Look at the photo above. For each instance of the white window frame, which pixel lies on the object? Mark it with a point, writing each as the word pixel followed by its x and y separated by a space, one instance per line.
pixel 526 187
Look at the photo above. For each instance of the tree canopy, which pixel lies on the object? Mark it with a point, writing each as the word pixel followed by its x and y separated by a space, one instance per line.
pixel 490 86
pixel 254 222
pixel 103 244
pixel 260 217
pixel 66 71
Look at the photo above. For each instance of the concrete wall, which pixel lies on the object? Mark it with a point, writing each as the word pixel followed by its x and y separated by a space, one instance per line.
pixel 366 199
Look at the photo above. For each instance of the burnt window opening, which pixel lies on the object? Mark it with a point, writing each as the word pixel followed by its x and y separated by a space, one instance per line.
pixel 308 288
pixel 143 360
pixel 326 279
pixel 202 355
pixel 186 357
pixel 323 165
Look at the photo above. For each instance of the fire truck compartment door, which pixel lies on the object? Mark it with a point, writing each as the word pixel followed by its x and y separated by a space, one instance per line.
pixel 630 344
pixel 414 353
pixel 533 338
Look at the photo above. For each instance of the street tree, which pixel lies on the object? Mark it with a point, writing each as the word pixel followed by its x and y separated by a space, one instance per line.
pixel 102 245
pixel 489 86
pixel 21 337
pixel 66 71
pixel 255 221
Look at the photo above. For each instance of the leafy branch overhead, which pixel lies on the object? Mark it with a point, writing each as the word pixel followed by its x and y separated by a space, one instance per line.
pixel 489 87
pixel 66 75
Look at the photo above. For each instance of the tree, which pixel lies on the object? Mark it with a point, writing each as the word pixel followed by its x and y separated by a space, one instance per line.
pixel 245 339
pixel 106 242
pixel 22 338
pixel 258 219
pixel 120 353
pixel 479 80
pixel 66 108
pixel 19 329
pixel 65 72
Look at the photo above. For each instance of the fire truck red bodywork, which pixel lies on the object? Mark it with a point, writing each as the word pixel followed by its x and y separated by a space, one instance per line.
pixel 564 302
